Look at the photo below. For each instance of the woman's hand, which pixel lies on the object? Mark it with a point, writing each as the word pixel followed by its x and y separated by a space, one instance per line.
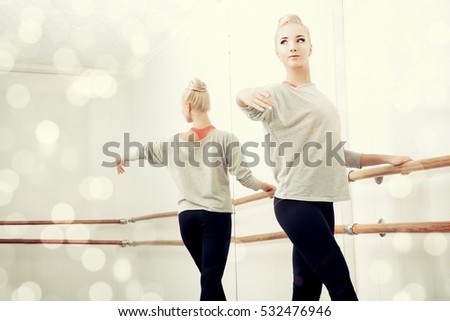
pixel 397 159
pixel 268 188
pixel 120 166
pixel 257 98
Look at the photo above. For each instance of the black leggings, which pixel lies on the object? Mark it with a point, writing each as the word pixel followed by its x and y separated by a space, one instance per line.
pixel 207 235
pixel 316 256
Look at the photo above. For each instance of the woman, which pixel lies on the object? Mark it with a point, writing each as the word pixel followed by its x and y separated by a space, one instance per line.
pixel 309 165
pixel 199 161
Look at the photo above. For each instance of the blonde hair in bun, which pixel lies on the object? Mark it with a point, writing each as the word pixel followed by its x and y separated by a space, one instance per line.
pixel 197 94
pixel 291 18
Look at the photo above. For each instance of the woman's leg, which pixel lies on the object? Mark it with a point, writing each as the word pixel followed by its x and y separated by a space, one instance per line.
pixel 207 236
pixel 191 234
pixel 317 256
pixel 216 244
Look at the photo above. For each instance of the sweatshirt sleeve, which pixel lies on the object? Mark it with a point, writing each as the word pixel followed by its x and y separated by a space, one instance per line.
pixel 255 114
pixel 235 162
pixel 352 159
pixel 154 152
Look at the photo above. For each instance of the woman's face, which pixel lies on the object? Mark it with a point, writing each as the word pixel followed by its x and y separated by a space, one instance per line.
pixel 293 45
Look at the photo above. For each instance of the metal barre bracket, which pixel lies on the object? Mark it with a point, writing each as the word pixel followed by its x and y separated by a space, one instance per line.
pixel 378 180
pixel 348 229
pixel 126 243
pixel 381 221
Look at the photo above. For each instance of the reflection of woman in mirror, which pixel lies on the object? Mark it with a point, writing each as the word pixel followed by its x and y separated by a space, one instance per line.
pixel 310 165
pixel 199 161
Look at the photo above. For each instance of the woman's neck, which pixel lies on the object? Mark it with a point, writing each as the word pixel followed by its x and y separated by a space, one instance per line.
pixel 200 120
pixel 298 76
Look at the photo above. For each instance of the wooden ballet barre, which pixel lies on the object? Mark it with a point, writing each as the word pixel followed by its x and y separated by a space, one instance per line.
pixel 236 202
pixel 353 229
pixel 63 222
pixel 71 242
pixel 411 166
pixel 356 229
pixel 251 198
pixel 152 216
pixel 382 228
pixel 158 242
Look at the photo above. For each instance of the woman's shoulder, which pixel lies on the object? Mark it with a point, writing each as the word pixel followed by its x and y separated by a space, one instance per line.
pixel 275 86
pixel 223 136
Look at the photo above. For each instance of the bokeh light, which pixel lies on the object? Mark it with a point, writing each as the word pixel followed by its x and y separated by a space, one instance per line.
pixel 122 270
pixel 18 96
pixel 152 292
pixel 47 132
pixel 93 259
pixel 103 85
pixel 65 60
pixel 75 96
pixel 52 233
pixel 7 61
pixel 380 272
pixel 100 291
pixel 411 292
pixel 30 31
pixel 63 212
pixel 415 291
pixel 435 244
pixel 89 85
pixel 402 296
pixel 96 188
pixel 400 186
pixel 27 291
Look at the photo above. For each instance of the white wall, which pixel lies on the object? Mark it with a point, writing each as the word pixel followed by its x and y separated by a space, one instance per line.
pixel 62 180
pixel 397 88
pixel 384 65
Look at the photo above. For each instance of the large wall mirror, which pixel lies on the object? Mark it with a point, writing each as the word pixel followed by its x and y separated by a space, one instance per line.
pixel 75 76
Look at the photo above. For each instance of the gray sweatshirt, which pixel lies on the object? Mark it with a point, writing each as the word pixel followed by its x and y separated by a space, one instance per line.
pixel 200 168
pixel 309 161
